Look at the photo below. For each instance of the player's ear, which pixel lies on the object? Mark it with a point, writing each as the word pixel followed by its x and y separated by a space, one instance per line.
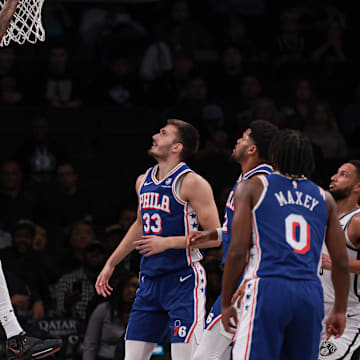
pixel 252 149
pixel 357 187
pixel 178 147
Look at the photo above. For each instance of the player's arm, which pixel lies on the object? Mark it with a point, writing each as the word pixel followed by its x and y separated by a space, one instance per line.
pixel 236 258
pixel 353 232
pixel 6 15
pixel 354 266
pixel 123 249
pixel 335 242
pixel 196 190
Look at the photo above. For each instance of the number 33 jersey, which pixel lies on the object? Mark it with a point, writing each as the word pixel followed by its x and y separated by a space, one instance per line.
pixel 289 226
pixel 164 213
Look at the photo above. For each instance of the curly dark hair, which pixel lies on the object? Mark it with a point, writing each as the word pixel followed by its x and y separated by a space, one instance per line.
pixel 291 152
pixel 262 132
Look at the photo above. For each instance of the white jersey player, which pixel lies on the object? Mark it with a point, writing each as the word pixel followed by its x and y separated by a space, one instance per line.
pixel 345 188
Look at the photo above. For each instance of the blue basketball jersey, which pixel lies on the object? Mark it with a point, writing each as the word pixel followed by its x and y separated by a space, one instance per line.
pixel 229 208
pixel 289 226
pixel 164 213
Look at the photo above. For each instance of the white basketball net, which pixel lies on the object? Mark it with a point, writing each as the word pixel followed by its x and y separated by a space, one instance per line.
pixel 26 24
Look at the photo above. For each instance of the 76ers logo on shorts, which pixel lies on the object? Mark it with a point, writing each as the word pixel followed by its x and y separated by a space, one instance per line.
pixel 327 348
pixel 179 330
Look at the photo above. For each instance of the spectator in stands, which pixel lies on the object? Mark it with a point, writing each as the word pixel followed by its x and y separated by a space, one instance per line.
pixel 49 262
pixel 236 33
pixel 251 90
pixel 212 118
pixel 40 238
pixel 323 131
pixel 118 85
pixel 75 290
pixel 12 87
pixel 7 61
pixel 350 124
pixel 185 31
pixel 59 87
pixel 10 92
pixel 16 202
pixel 107 323
pixel 157 59
pixel 23 263
pixel 40 153
pixel 332 50
pixel 168 87
pixel 113 235
pixel 216 150
pixel 57 21
pixel 178 32
pixel 264 108
pixel 290 46
pixel 127 216
pixel 65 203
pixel 297 111
pixel 315 16
pixel 191 103
pixel 71 257
pixel 105 28
pixel 227 81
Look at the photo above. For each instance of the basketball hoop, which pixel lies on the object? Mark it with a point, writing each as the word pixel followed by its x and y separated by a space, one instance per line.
pixel 20 21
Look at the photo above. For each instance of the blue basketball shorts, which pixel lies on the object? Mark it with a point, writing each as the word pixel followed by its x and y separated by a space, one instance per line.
pixel 279 319
pixel 171 304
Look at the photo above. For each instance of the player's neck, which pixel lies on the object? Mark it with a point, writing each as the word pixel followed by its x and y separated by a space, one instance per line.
pixel 250 164
pixel 344 206
pixel 165 167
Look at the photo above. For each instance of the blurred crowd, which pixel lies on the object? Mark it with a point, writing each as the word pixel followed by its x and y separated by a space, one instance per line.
pixel 79 110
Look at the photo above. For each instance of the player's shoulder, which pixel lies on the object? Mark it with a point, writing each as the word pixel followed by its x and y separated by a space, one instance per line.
pixel 141 177
pixel 355 223
pixel 255 183
pixel 139 181
pixel 191 178
pixel 194 185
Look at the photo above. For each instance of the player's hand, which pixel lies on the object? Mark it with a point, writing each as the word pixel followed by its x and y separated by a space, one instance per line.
pixel 102 283
pixel 229 318
pixel 326 262
pixel 151 244
pixel 335 324
pixel 196 238
pixel 238 295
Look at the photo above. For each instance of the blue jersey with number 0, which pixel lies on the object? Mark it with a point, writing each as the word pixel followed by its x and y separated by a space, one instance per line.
pixel 289 226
